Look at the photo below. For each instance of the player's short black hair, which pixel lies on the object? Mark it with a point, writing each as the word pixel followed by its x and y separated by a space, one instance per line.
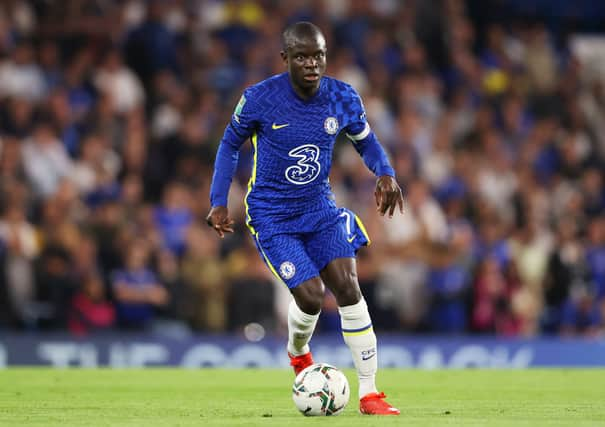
pixel 297 31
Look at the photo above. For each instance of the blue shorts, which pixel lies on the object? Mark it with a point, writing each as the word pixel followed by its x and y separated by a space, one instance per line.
pixel 297 257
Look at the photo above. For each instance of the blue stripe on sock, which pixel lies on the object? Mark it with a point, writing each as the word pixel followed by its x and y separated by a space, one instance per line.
pixel 349 331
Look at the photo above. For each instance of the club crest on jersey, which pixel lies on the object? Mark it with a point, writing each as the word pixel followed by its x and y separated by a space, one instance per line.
pixel 287 270
pixel 331 125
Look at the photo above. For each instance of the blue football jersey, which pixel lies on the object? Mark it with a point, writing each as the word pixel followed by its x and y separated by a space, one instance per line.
pixel 293 142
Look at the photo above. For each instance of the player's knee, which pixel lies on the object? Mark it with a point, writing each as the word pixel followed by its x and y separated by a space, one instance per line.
pixel 347 291
pixel 309 296
pixel 348 296
pixel 309 303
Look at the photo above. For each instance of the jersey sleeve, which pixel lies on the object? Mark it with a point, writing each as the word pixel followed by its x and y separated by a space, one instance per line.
pixel 358 124
pixel 364 140
pixel 240 128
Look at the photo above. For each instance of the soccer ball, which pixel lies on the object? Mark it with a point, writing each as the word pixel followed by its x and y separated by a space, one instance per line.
pixel 320 389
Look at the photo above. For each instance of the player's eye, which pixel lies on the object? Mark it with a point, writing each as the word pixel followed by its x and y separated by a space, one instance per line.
pixel 319 55
pixel 299 58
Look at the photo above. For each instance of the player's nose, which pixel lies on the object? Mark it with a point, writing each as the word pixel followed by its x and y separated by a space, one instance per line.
pixel 310 62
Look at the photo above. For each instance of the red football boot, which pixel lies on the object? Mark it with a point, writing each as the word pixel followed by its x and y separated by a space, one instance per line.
pixel 374 404
pixel 300 362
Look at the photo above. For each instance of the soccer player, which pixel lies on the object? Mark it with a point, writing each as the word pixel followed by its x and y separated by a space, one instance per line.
pixel 292 120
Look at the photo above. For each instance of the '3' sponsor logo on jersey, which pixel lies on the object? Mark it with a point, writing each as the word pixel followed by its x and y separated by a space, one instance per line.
pixel 307 167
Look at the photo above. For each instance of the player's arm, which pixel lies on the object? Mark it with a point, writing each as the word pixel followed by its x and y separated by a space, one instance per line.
pixel 388 194
pixel 237 131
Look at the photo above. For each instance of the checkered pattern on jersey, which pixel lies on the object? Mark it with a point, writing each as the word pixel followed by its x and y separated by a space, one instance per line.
pixel 345 103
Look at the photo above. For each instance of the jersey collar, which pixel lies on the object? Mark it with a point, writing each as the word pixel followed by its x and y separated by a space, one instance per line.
pixel 314 98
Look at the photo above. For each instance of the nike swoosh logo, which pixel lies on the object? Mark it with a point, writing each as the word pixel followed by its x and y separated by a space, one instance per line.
pixel 350 239
pixel 368 357
pixel 275 127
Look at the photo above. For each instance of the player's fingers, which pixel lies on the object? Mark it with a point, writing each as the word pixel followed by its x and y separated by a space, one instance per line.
pixel 392 205
pixel 382 202
pixel 400 202
pixel 384 205
pixel 227 228
pixel 377 197
pixel 227 225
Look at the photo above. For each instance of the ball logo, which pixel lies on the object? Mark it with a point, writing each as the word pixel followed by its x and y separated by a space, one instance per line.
pixel 287 270
pixel 331 125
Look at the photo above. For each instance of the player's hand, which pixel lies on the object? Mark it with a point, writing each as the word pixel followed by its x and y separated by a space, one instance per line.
pixel 218 218
pixel 388 195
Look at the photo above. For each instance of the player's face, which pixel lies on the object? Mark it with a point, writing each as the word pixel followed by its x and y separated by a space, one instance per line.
pixel 306 62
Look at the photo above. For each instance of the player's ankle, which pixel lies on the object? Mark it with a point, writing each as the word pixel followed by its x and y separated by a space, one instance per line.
pixel 366 386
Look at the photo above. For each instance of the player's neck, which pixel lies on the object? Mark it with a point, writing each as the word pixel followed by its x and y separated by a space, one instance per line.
pixel 303 93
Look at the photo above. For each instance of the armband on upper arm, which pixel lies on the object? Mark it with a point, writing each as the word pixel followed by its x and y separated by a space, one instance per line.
pixel 361 135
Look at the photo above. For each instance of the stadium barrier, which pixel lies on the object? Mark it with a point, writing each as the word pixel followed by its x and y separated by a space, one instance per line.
pixel 395 351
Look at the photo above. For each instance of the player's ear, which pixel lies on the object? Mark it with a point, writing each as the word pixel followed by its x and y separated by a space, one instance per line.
pixel 284 56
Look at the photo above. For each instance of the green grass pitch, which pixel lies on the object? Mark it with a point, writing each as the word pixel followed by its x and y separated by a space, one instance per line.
pixel 256 397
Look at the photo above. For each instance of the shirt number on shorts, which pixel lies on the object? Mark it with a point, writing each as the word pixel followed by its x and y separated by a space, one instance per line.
pixel 307 167
pixel 349 224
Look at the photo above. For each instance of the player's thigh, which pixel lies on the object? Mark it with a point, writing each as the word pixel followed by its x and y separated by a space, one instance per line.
pixel 287 258
pixel 342 239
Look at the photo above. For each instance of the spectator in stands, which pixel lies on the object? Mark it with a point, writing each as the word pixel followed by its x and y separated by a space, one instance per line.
pixel 90 310
pixel 449 281
pixel 152 47
pixel 251 293
pixel 45 159
pixel 116 80
pixel 96 168
pixel 173 217
pixel 21 76
pixel 493 290
pixel 567 267
pixel 55 285
pixel 136 289
pixel 19 250
pixel 178 311
pixel 595 256
pixel 582 314
pixel 410 239
pixel 205 276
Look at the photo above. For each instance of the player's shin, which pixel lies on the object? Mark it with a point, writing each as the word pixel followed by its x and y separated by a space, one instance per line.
pixel 359 336
pixel 300 329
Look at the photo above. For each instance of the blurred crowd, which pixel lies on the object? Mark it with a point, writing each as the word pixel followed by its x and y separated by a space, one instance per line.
pixel 111 112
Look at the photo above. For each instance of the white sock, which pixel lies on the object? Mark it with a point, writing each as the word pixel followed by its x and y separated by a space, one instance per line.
pixel 359 336
pixel 300 329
